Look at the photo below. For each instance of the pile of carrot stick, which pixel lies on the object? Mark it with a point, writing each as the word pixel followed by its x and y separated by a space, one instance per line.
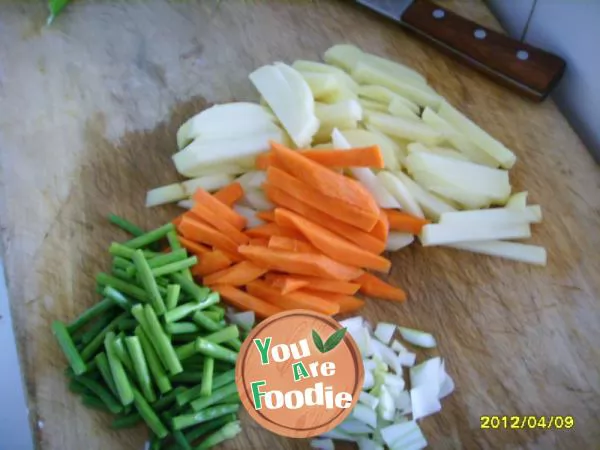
pixel 318 246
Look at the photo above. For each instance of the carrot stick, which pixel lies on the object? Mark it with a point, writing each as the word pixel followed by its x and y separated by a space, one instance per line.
pixel 299 263
pixel 287 284
pixel 261 242
pixel 354 157
pixel 291 245
pixel 204 198
pixel 263 160
pixel 211 262
pixel 177 220
pixel 346 303
pixel 343 211
pixel 374 287
pixel 272 229
pixel 323 180
pixel 401 221
pixel 322 284
pixel 294 300
pixel 330 243
pixel 246 302
pixel 348 232
pixel 240 274
pixel 267 216
pixel 211 218
pixel 381 229
pixel 200 232
pixel 230 193
pixel 193 247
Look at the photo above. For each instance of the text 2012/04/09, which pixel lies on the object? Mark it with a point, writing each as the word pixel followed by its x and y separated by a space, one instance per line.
pixel 527 422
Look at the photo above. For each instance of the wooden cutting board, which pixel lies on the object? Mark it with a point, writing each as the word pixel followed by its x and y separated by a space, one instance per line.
pixel 89 112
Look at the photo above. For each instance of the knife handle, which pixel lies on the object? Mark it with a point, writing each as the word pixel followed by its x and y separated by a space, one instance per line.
pixel 529 70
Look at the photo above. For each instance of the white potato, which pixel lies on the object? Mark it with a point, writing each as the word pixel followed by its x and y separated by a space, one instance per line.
pixel 340 94
pixel 372 105
pixel 249 214
pixel 323 146
pixel 431 205
pixel 218 169
pixel 532 254
pixel 342 112
pixel 440 234
pixel 481 138
pixel 420 94
pixel 398 108
pixel 458 140
pixel 366 176
pixel 448 152
pixel 313 66
pixel 186 204
pixel 218 122
pixel 384 95
pixel 209 183
pixel 404 128
pixel 321 84
pixel 343 55
pixel 256 199
pixel 400 193
pixel 472 178
pixel 400 144
pixel 226 151
pixel 395 69
pixel 252 180
pixel 464 198
pixel 165 194
pixel 490 217
pixel 363 138
pixel 290 98
pixel 397 240
pixel 518 200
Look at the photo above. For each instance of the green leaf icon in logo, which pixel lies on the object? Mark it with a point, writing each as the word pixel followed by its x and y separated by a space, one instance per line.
pixel 331 343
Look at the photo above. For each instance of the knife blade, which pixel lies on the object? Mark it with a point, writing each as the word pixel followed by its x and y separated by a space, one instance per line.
pixel 528 70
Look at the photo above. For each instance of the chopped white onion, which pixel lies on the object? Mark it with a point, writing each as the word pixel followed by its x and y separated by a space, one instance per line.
pixel 398 347
pixel 387 355
pixel 407 359
pixel 369 400
pixel 186 204
pixel 369 364
pixel 365 414
pixel 322 444
pixel 397 432
pixel 385 332
pixel 244 319
pixel 403 404
pixel 341 435
pixel 424 400
pixel 368 444
pixel 417 337
pixel 369 381
pixel 426 374
pixel 395 382
pixel 387 406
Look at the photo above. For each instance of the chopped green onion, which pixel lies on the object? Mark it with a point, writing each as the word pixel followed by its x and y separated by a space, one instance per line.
pixel 148 281
pixel 104 368
pixel 173 292
pixel 123 286
pixel 216 396
pixel 141 367
pixel 90 314
pixel 126 225
pixel 182 328
pixel 90 350
pixel 167 352
pixel 176 266
pixel 126 421
pixel 205 322
pixel 207 376
pixel 156 369
pixel 122 383
pixel 68 347
pixel 149 415
pixel 229 431
pixel 207 348
pixel 149 237
pixel 188 420
pixel 102 393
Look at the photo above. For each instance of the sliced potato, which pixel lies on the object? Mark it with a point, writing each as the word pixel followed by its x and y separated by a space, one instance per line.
pixel 490 217
pixel 343 55
pixel 313 66
pixel 226 151
pixel 448 152
pixel 340 94
pixel 362 138
pixel 420 94
pixel 218 169
pixel 342 112
pixel 441 234
pixel 431 205
pixel 321 84
pixel 532 254
pixel 372 105
pixel 465 199
pixel 405 128
pixel 290 98
pixel 397 107
pixel 518 200
pixel 397 240
pixel 385 95
pixel 400 193
pixel 481 138
pixel 186 204
pixel 209 183
pixel 165 194
pixel 323 146
pixel 395 69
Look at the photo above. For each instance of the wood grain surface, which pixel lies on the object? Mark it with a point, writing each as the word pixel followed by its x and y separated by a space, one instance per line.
pixel 89 111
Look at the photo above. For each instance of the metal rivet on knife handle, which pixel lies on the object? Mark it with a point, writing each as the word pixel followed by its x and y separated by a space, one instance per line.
pixel 523 55
pixel 439 13
pixel 480 34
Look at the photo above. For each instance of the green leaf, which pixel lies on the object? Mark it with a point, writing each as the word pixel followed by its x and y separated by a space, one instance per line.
pixel 56 6
pixel 318 341
pixel 333 340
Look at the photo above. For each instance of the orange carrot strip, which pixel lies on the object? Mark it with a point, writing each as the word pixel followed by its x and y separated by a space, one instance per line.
pixel 204 198
pixel 261 242
pixel 299 263
pixel 287 285
pixel 263 160
pixel 177 220
pixel 267 216
pixel 323 180
pixel 374 287
pixel 291 245
pixel 217 222
pixel 322 284
pixel 381 228
pixel 348 232
pixel 346 303
pixel 401 221
pixel 343 211
pixel 354 157
pixel 246 302
pixel 200 232
pixel 193 247
pixel 211 262
pixel 230 193
pixel 330 243
pixel 294 300
pixel 240 274
pixel 272 229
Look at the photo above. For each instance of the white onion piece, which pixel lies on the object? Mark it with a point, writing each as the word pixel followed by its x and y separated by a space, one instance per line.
pixel 338 434
pixel 424 401
pixel 427 374
pixel 368 400
pixel 417 337
pixel 395 382
pixel 365 414
pixel 186 204
pixel 369 381
pixel 396 432
pixel 245 320
pixel 386 355
pixel 368 444
pixel 322 444
pixel 369 365
pixel 398 347
pixel 403 404
pixel 385 332
pixel 387 406
pixel 407 359
pixel 249 214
